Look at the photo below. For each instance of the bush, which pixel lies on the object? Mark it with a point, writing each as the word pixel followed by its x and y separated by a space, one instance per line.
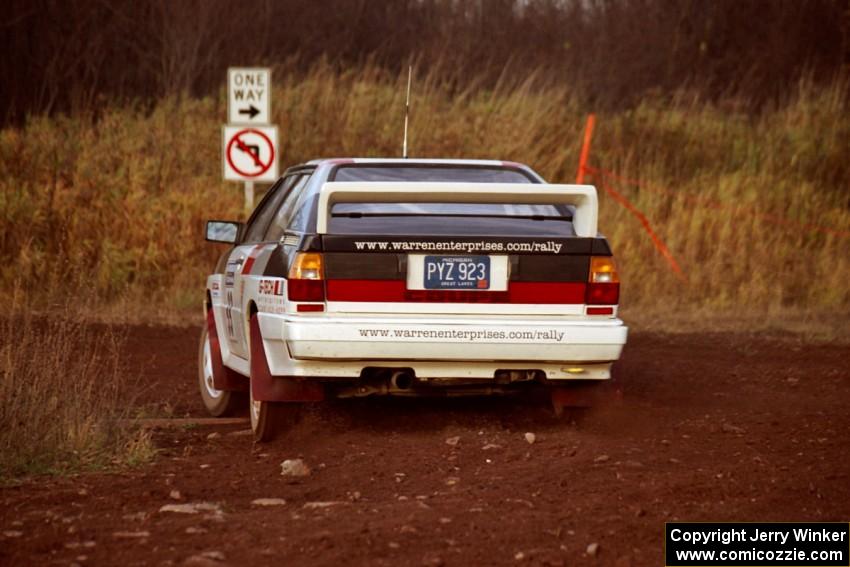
pixel 62 388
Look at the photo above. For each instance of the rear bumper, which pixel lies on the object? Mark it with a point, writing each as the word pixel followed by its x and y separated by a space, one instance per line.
pixel 441 346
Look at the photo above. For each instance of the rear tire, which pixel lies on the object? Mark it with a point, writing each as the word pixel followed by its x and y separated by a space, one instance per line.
pixel 270 419
pixel 219 403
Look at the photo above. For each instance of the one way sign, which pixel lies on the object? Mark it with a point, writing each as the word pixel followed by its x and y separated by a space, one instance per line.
pixel 248 95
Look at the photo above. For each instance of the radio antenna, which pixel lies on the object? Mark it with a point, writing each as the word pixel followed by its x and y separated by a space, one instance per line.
pixel 407 111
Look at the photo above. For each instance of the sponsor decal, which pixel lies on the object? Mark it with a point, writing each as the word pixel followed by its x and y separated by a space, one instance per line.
pixel 252 257
pixel 270 287
pixel 270 296
pixel 471 247
pixel 524 245
pixel 271 305
pixel 230 271
pixel 533 336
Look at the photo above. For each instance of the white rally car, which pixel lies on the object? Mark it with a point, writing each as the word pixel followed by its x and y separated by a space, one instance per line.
pixel 356 277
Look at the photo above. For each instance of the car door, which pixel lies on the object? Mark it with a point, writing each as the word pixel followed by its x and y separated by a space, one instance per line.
pixel 239 262
pixel 279 229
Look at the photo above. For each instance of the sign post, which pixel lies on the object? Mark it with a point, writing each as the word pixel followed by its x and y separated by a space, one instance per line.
pixel 249 142
pixel 249 196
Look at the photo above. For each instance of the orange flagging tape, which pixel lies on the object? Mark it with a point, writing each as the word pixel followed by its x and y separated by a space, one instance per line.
pixel 712 204
pixel 585 148
pixel 656 240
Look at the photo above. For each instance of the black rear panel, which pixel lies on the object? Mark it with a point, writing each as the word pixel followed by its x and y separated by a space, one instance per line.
pixel 553 246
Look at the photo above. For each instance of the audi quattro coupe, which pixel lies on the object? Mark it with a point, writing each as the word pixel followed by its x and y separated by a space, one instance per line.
pixel 358 277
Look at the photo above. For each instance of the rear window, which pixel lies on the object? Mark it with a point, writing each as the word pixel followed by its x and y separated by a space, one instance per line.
pixel 420 172
pixel 457 219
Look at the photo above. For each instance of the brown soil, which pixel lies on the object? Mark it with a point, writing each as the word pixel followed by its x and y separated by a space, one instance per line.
pixel 713 427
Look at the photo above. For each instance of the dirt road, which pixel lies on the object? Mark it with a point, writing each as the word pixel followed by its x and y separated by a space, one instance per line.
pixel 713 427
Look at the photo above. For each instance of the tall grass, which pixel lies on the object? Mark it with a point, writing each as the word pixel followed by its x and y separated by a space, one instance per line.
pixel 62 388
pixel 116 201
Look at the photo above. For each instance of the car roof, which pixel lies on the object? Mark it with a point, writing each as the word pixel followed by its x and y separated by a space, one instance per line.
pixel 416 161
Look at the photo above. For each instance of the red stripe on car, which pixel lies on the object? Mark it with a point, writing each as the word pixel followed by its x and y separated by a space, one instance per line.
pixel 395 291
pixel 252 257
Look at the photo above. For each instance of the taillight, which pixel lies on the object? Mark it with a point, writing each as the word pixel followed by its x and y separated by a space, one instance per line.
pixel 306 280
pixel 603 286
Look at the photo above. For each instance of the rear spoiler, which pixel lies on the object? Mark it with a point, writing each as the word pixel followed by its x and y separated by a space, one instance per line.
pixel 582 197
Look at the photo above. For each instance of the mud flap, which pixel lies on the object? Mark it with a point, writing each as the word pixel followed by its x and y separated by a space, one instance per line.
pixel 585 394
pixel 223 377
pixel 268 388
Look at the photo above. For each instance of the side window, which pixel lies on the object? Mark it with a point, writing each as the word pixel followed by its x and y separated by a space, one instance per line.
pixel 281 219
pixel 257 228
pixel 301 219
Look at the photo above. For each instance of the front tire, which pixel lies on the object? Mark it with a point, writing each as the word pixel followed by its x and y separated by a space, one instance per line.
pixel 219 403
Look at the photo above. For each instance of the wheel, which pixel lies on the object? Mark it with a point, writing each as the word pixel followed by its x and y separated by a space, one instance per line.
pixel 268 419
pixel 219 403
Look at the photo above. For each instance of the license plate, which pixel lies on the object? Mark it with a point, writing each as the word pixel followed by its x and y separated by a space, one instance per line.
pixel 457 272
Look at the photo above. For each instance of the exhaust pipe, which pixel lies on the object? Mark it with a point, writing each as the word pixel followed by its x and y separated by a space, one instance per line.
pixel 401 380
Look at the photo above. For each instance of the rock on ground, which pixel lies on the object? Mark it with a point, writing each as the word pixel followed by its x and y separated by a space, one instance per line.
pixel 268 502
pixel 294 468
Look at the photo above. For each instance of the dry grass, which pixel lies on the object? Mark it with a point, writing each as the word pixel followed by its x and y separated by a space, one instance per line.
pixel 799 325
pixel 62 391
pixel 117 201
